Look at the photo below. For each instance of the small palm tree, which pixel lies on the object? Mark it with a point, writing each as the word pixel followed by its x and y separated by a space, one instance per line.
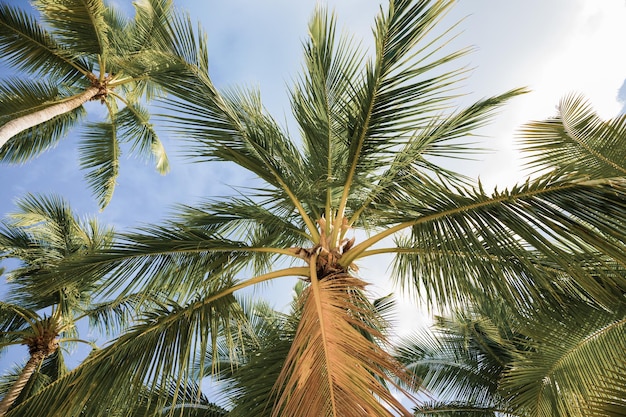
pixel 40 235
pixel 80 52
pixel 375 134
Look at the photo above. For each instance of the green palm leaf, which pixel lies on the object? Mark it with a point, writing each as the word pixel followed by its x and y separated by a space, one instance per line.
pixel 133 123
pixel 578 138
pixel 29 47
pixel 100 155
pixel 461 240
pixel 571 354
pixel 78 24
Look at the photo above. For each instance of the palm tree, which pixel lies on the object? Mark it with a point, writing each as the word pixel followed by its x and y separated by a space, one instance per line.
pixel 80 52
pixel 375 134
pixel 42 233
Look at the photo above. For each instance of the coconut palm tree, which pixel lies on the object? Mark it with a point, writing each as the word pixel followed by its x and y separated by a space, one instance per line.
pixel 79 52
pixel 42 233
pixel 370 164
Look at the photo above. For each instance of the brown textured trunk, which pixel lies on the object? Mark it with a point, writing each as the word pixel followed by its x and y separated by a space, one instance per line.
pixel 15 391
pixel 15 126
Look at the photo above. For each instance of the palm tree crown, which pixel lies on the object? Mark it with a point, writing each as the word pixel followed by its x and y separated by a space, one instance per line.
pixel 82 51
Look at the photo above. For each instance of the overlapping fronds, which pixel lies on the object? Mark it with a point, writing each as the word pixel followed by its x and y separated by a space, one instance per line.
pixel 461 242
pixel 164 344
pixel 27 46
pixel 43 232
pixel 263 352
pixel 460 364
pixel 571 357
pixel 410 169
pixel 188 401
pixel 609 398
pixel 112 317
pixel 78 24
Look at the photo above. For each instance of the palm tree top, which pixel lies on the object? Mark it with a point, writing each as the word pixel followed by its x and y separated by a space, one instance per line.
pixel 73 52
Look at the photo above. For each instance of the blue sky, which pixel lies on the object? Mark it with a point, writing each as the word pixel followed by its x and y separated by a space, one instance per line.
pixel 554 47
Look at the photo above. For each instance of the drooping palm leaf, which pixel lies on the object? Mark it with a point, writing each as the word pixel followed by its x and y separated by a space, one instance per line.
pixel 133 122
pixel 331 354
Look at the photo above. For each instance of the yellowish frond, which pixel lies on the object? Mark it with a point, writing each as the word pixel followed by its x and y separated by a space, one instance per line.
pixel 333 368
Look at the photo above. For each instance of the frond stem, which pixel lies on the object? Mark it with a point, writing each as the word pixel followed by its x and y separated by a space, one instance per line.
pixel 320 315
pixel 358 250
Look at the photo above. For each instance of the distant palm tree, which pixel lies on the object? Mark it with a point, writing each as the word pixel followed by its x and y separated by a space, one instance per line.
pixel 40 235
pixel 375 135
pixel 78 52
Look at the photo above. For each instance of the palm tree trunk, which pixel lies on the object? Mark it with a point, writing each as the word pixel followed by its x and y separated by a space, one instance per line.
pixel 10 397
pixel 15 126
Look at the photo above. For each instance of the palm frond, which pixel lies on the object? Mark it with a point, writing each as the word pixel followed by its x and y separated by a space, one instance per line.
pixel 134 123
pixel 78 25
pixel 231 127
pixel 100 155
pixel 27 46
pixel 461 360
pixel 571 353
pixel 609 398
pixel 410 163
pixel 250 383
pixel 477 237
pixel 400 91
pixel 322 104
pixel 576 139
pixel 332 369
